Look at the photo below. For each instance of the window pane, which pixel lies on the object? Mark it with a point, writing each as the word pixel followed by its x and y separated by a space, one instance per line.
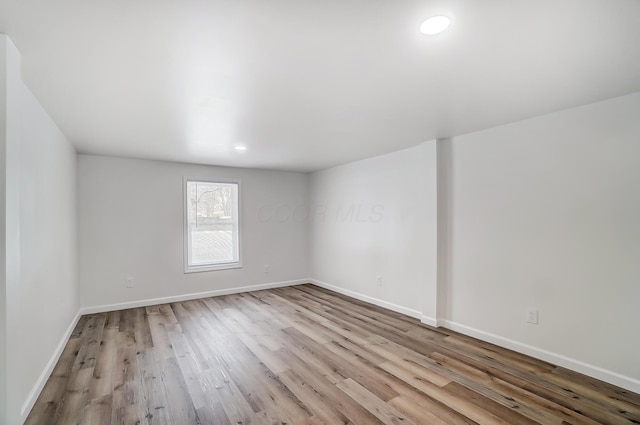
pixel 212 214
pixel 212 245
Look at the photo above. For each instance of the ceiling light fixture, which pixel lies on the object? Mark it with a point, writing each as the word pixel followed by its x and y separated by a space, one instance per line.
pixel 240 148
pixel 435 25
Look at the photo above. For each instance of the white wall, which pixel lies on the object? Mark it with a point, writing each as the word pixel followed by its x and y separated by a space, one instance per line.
pixel 540 214
pixel 545 213
pixel 4 44
pixel 131 224
pixel 41 294
pixel 377 217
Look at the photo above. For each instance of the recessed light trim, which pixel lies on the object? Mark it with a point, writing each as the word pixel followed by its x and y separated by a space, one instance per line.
pixel 240 148
pixel 435 25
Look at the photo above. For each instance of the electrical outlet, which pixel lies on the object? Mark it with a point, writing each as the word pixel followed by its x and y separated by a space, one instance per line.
pixel 129 282
pixel 379 280
pixel 265 268
pixel 532 316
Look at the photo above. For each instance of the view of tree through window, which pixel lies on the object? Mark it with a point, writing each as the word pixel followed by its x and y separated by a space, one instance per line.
pixel 212 224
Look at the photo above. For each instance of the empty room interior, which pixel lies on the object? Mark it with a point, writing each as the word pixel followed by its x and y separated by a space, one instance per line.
pixel 320 212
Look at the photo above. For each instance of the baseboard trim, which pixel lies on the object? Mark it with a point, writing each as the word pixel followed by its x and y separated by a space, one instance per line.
pixel 427 320
pixel 48 369
pixel 380 303
pixel 611 377
pixel 187 297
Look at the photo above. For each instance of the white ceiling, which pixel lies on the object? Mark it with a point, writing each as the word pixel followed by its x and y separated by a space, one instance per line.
pixel 310 84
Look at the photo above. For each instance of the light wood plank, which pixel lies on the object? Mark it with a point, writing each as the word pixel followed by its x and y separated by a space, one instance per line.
pixel 305 355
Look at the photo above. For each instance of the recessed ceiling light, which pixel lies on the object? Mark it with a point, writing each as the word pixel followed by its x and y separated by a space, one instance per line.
pixel 240 148
pixel 435 25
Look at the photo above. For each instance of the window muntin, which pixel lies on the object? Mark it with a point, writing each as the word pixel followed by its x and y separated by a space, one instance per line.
pixel 212 231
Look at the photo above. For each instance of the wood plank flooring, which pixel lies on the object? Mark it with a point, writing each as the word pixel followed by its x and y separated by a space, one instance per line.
pixel 305 355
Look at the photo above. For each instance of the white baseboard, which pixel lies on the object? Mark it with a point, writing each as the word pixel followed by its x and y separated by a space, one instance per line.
pixel 427 320
pixel 188 297
pixel 46 372
pixel 394 307
pixel 614 378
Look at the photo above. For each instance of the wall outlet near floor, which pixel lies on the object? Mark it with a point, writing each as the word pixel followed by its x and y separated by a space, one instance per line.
pixel 379 280
pixel 128 282
pixel 265 268
pixel 532 316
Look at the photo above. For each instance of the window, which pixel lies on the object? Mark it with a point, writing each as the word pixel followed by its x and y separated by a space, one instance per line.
pixel 212 231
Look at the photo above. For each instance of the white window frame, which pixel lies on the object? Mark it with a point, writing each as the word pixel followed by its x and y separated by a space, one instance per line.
pixel 187 234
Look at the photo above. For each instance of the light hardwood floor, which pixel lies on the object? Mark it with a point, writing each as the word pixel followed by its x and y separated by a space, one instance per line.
pixel 305 355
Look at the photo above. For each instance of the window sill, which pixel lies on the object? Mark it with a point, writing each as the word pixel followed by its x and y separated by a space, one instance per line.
pixel 213 267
